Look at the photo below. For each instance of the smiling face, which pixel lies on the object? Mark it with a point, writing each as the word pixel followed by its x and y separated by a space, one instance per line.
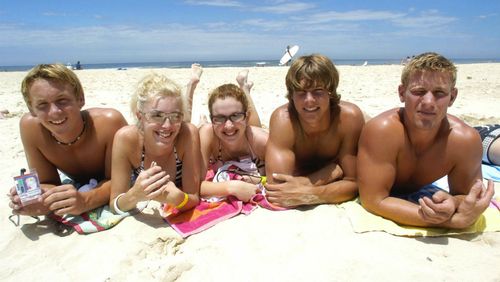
pixel 427 97
pixel 157 133
pixel 230 130
pixel 56 106
pixel 312 103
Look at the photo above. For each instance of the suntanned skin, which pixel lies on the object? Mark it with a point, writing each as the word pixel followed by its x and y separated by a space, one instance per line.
pixel 404 149
pixel 156 182
pixel 311 159
pixel 90 157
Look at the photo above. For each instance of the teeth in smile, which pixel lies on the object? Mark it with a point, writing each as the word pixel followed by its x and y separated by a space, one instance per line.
pixel 165 134
pixel 230 133
pixel 311 109
pixel 58 121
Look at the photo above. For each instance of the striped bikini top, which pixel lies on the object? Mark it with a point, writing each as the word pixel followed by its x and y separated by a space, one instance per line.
pixel 178 169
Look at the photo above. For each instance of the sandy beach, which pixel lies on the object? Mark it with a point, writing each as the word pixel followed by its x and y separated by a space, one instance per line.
pixel 308 244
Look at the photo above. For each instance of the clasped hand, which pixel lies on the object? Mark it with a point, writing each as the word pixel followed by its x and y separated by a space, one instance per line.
pixel 288 190
pixel 437 209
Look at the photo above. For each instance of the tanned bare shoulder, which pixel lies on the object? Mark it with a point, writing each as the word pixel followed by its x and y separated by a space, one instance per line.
pixel 107 114
pixel 462 134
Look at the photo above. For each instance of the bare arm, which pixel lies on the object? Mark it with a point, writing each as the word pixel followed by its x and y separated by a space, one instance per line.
pixel 31 131
pixel 280 157
pixel 109 123
pixel 465 180
pixel 346 188
pixel 191 166
pixel 241 189
pixel 379 146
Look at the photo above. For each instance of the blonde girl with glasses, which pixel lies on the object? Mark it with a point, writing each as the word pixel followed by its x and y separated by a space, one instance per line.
pixel 159 157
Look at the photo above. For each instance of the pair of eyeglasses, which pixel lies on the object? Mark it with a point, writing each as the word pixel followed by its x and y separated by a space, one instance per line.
pixel 316 93
pixel 160 117
pixel 254 178
pixel 235 117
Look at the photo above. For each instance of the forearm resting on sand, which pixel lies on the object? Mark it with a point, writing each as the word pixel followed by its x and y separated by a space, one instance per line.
pixel 292 191
pixel 328 174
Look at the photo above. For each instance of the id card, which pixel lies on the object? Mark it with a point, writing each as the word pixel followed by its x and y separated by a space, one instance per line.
pixel 28 187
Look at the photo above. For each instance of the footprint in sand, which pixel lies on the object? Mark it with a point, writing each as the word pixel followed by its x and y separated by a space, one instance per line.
pixel 160 260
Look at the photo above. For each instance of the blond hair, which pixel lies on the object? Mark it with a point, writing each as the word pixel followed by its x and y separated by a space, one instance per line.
pixel 155 86
pixel 429 61
pixel 51 72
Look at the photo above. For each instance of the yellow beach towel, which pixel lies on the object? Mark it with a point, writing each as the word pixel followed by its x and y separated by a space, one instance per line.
pixel 363 221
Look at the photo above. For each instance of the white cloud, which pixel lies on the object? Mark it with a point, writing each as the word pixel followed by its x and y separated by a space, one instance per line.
pixel 356 15
pixel 285 8
pixel 217 3
pixel 265 24
pixel 428 19
pixel 487 16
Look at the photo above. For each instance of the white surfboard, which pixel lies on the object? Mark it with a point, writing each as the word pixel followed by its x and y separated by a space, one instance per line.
pixel 290 51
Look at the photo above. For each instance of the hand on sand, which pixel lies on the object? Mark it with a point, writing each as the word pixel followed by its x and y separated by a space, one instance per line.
pixel 289 191
pixel 437 209
pixel 64 199
pixel 473 205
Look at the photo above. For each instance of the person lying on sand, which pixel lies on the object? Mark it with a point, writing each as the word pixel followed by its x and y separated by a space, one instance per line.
pixel 161 151
pixel 405 149
pixel 490 136
pixel 232 136
pixel 58 136
pixel 312 147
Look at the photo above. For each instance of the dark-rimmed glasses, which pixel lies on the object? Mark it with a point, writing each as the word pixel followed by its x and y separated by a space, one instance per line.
pixel 160 117
pixel 235 117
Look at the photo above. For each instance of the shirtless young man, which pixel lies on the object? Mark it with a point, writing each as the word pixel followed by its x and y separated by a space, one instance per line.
pixel 312 147
pixel 58 135
pixel 405 149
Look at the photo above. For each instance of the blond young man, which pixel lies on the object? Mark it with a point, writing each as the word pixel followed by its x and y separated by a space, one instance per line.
pixel 405 149
pixel 58 135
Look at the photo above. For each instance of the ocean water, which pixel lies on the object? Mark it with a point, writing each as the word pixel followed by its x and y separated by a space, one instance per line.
pixel 242 63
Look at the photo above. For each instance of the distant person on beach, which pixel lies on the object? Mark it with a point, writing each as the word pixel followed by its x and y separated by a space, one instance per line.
pixel 159 157
pixel 312 147
pixel 233 141
pixel 404 150
pixel 78 66
pixel 58 136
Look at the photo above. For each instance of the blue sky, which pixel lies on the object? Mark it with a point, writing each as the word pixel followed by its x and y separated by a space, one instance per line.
pixel 112 31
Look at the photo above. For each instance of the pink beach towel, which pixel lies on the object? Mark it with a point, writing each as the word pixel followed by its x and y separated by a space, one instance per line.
pixel 207 214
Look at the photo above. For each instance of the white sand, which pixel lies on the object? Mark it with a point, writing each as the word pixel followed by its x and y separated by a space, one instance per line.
pixel 314 244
